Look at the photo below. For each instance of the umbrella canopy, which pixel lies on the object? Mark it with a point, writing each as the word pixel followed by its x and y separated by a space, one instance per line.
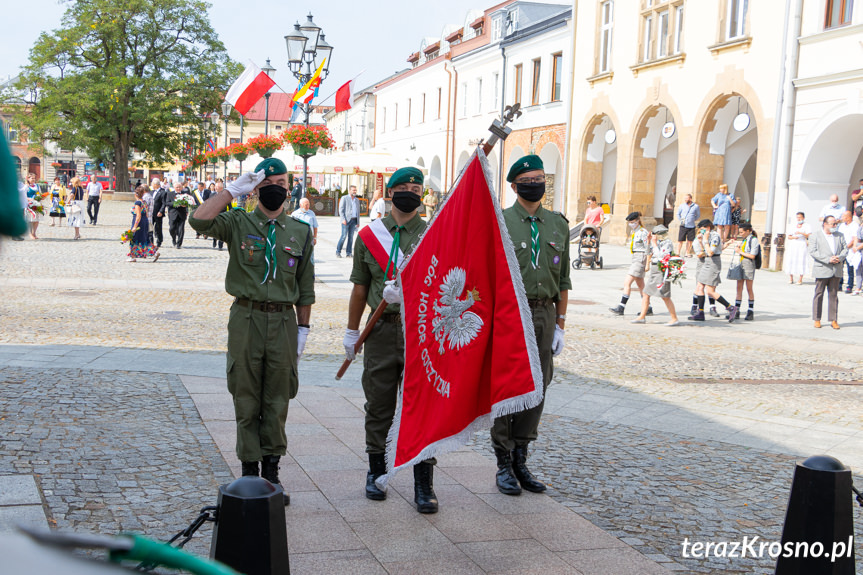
pixel 359 162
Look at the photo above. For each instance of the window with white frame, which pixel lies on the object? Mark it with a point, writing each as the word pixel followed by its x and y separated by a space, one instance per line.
pixel 556 71
pixel 512 21
pixel 495 99
pixel 13 134
pixel 478 98
pixel 464 99
pixel 496 27
pixel 516 88
pixel 606 12
pixel 735 20
pixel 534 85
pixel 661 30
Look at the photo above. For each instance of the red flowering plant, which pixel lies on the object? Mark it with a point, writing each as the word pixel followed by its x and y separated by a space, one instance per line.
pixel 239 151
pixel 313 137
pixel 198 160
pixel 222 154
pixel 264 145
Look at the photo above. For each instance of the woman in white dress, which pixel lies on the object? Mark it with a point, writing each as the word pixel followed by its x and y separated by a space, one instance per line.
pixel 796 253
pixel 75 206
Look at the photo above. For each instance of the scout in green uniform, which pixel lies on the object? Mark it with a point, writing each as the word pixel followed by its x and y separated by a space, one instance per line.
pixel 270 272
pixel 541 240
pixel 384 360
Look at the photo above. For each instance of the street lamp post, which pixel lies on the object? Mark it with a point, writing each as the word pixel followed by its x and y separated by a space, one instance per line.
pixel 226 111
pixel 268 70
pixel 307 45
pixel 214 121
pixel 205 124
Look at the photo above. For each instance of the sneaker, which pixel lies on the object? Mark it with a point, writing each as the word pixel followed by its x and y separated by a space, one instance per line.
pixel 649 310
pixel 638 320
pixel 847 291
pixel 693 310
pixel 617 310
pixel 732 313
pixel 750 315
pixel 338 255
pixel 713 312
pixel 697 316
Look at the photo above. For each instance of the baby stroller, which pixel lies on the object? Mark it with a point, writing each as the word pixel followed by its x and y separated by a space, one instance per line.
pixel 588 249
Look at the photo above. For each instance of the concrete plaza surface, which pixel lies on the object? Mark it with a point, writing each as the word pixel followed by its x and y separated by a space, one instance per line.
pixel 114 415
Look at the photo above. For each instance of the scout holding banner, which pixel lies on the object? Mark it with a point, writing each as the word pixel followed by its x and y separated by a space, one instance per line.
pixel 470 350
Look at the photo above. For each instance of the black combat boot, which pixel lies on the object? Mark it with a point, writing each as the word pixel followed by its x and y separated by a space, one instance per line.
pixel 522 473
pixel 377 467
pixel 506 481
pixel 270 472
pixel 250 468
pixel 424 495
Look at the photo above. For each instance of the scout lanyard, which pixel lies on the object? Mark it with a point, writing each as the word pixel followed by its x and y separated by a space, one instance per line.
pixel 270 251
pixel 534 241
pixel 745 247
pixel 394 252
pixel 632 240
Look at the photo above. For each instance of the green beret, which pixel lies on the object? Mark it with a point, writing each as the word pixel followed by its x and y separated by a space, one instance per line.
pixel 405 176
pixel 272 167
pixel 524 164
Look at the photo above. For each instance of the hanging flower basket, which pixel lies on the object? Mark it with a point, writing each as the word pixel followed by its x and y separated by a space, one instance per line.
pixel 301 150
pixel 239 151
pixel 266 152
pixel 264 145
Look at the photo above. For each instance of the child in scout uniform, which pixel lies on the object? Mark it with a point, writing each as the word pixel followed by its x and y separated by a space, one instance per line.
pixel 396 234
pixel 271 276
pixel 743 267
pixel 639 246
pixel 657 285
pixel 541 241
pixel 709 270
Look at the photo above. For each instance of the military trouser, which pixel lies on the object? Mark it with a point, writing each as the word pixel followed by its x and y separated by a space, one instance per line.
pixel 383 364
pixel 262 377
pixel 519 429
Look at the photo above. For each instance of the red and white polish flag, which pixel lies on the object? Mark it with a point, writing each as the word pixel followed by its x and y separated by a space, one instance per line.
pixel 248 89
pixel 470 348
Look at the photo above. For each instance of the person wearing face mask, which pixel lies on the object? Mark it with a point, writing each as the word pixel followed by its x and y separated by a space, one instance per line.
pixel 827 247
pixel 541 241
pixel 833 208
pixel 639 246
pixel 657 285
pixel 796 252
pixel 271 276
pixel 688 214
pixel 380 248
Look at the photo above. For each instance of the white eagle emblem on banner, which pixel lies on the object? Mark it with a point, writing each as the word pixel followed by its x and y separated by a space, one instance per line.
pixel 452 322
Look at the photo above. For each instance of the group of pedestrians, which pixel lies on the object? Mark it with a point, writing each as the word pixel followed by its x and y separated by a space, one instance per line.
pixel 66 203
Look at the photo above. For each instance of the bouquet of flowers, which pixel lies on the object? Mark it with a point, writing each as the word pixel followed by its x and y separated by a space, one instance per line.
pixel 183 201
pixel 126 237
pixel 673 269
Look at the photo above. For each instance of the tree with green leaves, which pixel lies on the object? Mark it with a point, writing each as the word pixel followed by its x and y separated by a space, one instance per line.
pixel 126 76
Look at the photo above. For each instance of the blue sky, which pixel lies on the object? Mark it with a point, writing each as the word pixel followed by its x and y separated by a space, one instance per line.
pixel 376 36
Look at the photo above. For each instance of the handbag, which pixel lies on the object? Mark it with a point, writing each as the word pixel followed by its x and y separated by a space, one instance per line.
pixel 74 209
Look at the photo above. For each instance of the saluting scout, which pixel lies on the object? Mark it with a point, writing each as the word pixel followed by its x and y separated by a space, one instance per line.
pixel 639 247
pixel 271 276
pixel 541 240
pixel 380 248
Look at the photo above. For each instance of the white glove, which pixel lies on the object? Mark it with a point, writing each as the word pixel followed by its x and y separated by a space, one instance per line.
pixel 245 184
pixel 351 338
pixel 302 335
pixel 557 341
pixel 392 293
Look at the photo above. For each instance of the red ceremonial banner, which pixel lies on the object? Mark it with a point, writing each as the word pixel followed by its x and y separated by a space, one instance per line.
pixel 470 348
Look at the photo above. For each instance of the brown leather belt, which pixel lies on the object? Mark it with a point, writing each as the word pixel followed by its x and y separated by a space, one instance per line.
pixel 535 303
pixel 391 318
pixel 265 306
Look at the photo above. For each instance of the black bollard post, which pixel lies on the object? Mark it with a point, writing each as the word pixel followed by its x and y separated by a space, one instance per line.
pixel 818 521
pixel 250 533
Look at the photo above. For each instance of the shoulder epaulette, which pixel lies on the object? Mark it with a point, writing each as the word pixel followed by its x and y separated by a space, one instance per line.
pixel 561 215
pixel 297 219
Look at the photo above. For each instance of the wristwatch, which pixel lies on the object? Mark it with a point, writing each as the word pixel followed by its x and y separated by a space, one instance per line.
pixel 562 316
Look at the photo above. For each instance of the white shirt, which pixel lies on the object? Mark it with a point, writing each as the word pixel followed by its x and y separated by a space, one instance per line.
pixel 831 241
pixel 307 216
pixel 378 209
pixel 835 210
pixel 849 231
pixel 94 189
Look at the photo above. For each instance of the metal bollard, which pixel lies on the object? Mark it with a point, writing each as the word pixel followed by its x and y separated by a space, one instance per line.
pixel 250 533
pixel 818 519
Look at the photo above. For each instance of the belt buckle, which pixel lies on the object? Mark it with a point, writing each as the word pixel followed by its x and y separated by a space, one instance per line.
pixel 272 307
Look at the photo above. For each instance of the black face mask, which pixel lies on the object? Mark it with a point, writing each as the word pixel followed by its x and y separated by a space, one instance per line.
pixel 406 201
pixel 272 196
pixel 530 192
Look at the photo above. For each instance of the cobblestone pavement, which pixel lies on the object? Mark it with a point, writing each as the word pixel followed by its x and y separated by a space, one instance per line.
pixel 746 400
pixel 111 451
